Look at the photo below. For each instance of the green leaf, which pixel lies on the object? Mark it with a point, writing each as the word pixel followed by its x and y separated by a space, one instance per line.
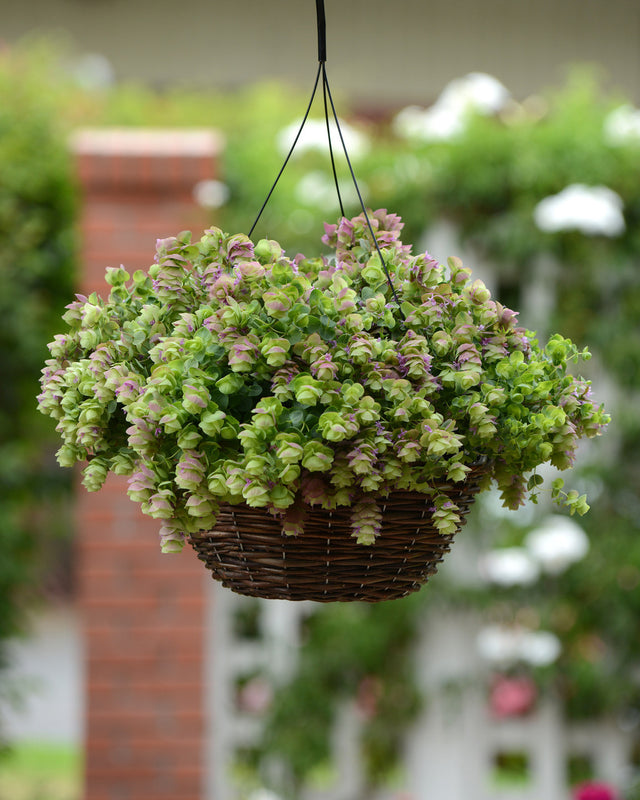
pixel 314 325
pixel 253 390
pixel 535 480
pixel 407 308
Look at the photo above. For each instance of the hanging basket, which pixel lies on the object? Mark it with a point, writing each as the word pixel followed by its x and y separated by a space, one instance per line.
pixel 231 373
pixel 248 553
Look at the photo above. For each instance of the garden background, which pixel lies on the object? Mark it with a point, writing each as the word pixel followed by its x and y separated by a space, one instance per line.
pixel 469 174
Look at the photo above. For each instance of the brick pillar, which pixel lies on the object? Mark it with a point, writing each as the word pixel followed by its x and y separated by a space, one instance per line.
pixel 143 612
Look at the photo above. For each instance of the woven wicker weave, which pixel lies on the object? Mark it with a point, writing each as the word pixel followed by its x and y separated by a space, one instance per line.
pixel 248 553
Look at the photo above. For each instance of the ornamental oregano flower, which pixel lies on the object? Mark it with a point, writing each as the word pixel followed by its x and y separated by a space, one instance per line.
pixel 231 373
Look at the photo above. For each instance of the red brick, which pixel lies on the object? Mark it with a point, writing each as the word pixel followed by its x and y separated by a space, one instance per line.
pixel 152 639
pixel 131 782
pixel 136 669
pixel 140 723
pixel 100 583
pixel 157 698
pixel 182 751
pixel 177 573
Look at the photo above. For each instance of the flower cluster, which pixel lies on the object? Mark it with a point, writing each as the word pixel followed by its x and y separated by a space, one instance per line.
pixel 592 210
pixel 550 548
pixel 447 118
pixel 231 373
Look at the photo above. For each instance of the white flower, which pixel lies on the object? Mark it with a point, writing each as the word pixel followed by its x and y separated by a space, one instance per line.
pixel 539 648
pixel 500 644
pixel 590 209
pixel 510 566
pixel 314 137
pixel 432 124
pixel 447 117
pixel 477 92
pixel 622 125
pixel 211 194
pixel 557 543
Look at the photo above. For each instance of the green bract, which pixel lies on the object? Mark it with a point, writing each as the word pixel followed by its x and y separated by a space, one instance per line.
pixel 234 374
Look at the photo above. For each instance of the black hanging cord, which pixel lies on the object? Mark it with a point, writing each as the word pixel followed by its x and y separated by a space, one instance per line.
pixel 322 31
pixel 325 87
pixel 325 84
pixel 295 142
pixel 326 92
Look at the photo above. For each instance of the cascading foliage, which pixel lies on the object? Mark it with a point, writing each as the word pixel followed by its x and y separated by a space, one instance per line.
pixel 232 373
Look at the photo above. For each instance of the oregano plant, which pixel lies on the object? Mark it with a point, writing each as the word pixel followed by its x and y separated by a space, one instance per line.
pixel 233 373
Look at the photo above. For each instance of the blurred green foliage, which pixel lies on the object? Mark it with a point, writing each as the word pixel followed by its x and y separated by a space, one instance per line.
pixel 37 213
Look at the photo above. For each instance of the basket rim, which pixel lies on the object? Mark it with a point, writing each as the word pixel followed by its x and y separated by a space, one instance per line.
pixel 469 485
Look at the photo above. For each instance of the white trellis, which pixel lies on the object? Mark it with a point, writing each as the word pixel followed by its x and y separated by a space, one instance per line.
pixel 233 657
pixel 452 749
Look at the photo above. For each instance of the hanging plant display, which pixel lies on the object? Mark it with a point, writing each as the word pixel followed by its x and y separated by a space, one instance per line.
pixel 316 427
pixel 232 379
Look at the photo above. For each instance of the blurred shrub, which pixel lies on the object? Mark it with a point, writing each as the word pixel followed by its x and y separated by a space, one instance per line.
pixel 37 210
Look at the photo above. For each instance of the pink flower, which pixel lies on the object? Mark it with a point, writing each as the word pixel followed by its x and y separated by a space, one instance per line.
pixel 128 391
pixel 194 398
pixel 161 504
pixel 172 539
pixel 222 286
pixel 329 237
pixel 512 697
pixel 190 470
pixel 239 248
pixel 256 696
pixel 324 369
pixel 100 359
pixel 141 484
pixel 242 355
pixel 594 791
pixel 506 317
pixel 276 303
pixel 140 435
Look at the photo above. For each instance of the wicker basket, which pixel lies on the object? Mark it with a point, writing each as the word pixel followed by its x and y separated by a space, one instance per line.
pixel 249 554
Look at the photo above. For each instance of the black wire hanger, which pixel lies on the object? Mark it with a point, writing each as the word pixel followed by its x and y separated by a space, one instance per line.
pixel 326 93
